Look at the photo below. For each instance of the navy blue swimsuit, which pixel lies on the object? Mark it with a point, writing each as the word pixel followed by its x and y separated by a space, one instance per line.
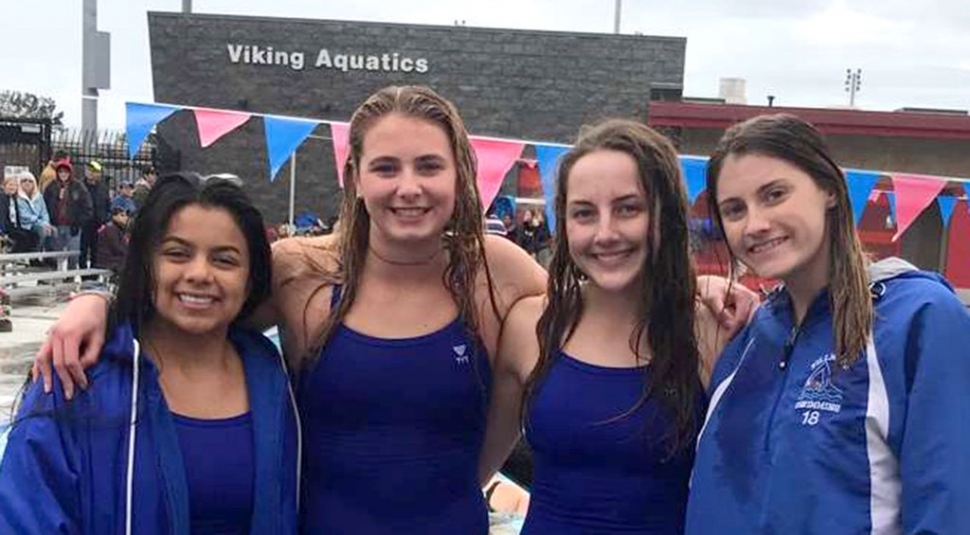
pixel 393 430
pixel 219 469
pixel 599 470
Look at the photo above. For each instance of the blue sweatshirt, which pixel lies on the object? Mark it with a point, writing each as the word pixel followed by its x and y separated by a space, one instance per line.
pixel 66 465
pixel 794 444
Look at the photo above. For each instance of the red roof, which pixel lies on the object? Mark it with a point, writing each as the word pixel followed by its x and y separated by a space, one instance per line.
pixel 829 121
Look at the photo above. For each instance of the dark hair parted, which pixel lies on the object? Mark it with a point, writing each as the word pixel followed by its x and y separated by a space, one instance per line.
pixel 170 194
pixel 668 292
pixel 797 142
pixel 463 237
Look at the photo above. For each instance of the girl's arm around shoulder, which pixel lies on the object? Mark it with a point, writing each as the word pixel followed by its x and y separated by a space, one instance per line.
pixel 517 356
pixel 711 339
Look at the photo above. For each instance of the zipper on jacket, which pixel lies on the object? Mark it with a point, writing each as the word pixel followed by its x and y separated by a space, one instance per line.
pixel 789 347
pixel 783 366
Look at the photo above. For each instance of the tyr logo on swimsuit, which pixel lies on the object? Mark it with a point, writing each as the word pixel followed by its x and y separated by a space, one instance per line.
pixel 460 356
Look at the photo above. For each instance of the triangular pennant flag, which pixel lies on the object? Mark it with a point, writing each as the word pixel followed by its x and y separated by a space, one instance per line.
pixel 695 175
pixel 213 124
pixel 340 137
pixel 913 194
pixel 139 121
pixel 947 204
pixel 283 136
pixel 860 184
pixel 495 157
pixel 548 157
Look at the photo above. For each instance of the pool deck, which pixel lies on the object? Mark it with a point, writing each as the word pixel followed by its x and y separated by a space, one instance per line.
pixel 31 319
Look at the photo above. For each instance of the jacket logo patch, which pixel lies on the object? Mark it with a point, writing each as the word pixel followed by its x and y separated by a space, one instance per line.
pixel 819 394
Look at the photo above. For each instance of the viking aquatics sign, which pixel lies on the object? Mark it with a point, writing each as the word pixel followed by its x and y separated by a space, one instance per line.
pixel 241 54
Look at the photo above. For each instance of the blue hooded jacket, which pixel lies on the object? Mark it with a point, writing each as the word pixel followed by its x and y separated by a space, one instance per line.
pixel 794 444
pixel 66 466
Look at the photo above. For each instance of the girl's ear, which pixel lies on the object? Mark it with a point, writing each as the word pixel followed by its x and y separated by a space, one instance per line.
pixel 830 200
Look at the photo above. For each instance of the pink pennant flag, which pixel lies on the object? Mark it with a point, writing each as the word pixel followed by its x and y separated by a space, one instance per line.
pixel 913 194
pixel 495 158
pixel 340 136
pixel 213 124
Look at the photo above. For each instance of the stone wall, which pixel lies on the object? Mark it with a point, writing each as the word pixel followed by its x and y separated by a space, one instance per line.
pixel 509 83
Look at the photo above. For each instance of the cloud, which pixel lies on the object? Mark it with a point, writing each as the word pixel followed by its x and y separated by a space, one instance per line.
pixel 911 53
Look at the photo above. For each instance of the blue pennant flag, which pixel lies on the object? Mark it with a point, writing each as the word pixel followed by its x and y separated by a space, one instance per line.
pixel 139 121
pixel 947 204
pixel 860 184
pixel 548 157
pixel 695 174
pixel 283 136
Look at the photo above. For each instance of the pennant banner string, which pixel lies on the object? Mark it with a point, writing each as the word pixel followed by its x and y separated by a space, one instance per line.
pixel 490 138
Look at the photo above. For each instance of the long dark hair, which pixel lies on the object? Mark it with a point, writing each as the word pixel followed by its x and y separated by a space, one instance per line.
pixel 136 283
pixel 793 140
pixel 667 294
pixel 170 194
pixel 463 237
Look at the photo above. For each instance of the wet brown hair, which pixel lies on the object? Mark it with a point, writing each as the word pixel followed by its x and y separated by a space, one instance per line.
pixel 668 290
pixel 463 236
pixel 793 140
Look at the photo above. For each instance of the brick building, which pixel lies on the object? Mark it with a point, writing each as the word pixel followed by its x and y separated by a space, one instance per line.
pixel 507 83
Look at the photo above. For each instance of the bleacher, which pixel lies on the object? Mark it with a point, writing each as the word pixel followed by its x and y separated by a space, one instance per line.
pixel 30 274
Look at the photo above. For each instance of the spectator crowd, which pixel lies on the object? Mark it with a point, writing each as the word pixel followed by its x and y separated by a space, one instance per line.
pixel 70 209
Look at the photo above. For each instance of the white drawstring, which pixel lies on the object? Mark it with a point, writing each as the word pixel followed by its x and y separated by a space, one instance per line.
pixel 131 437
pixel 299 431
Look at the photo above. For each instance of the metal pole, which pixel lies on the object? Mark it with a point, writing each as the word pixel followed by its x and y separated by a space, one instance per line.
pixel 616 19
pixel 89 95
pixel 186 6
pixel 854 87
pixel 292 186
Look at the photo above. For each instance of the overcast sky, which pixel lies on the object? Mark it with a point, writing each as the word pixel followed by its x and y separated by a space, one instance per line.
pixel 912 53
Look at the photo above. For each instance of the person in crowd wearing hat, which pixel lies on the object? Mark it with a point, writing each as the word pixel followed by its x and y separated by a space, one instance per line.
pixel 113 237
pixel 49 173
pixel 69 206
pixel 33 210
pixel 124 197
pixel 101 203
pixel 143 186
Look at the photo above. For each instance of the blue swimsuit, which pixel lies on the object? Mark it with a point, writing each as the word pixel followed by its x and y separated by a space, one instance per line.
pixel 598 469
pixel 394 428
pixel 219 470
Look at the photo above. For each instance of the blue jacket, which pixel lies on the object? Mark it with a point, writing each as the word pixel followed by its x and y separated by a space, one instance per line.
pixel 66 465
pixel 33 212
pixel 798 446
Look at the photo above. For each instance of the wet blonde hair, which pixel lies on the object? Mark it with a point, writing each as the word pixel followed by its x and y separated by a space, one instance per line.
pixel 463 236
